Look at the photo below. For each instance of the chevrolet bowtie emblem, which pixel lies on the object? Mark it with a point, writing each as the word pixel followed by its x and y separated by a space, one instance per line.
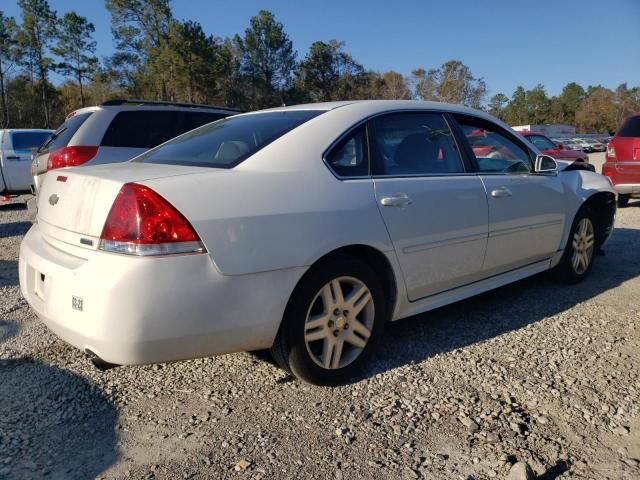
pixel 53 199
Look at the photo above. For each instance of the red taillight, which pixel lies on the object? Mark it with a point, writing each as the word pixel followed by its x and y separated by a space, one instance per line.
pixel 611 151
pixel 141 222
pixel 70 156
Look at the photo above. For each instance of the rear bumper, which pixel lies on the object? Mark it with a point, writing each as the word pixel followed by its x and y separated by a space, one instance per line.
pixel 130 310
pixel 627 188
pixel 624 175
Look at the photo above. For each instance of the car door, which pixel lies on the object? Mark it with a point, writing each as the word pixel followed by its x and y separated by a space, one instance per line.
pixel 526 209
pixel 16 155
pixel 435 210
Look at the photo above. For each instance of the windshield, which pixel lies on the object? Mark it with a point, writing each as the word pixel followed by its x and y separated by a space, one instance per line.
pixel 28 140
pixel 226 143
pixel 543 143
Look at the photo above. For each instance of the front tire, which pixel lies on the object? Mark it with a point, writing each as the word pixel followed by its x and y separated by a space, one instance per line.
pixel 579 252
pixel 334 319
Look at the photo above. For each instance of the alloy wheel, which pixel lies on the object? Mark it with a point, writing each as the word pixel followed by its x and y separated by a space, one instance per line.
pixel 583 244
pixel 339 322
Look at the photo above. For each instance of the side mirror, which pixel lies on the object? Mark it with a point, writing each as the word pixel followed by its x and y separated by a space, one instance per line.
pixel 560 146
pixel 545 164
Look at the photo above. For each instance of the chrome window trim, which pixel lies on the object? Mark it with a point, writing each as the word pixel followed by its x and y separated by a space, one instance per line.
pixel 386 112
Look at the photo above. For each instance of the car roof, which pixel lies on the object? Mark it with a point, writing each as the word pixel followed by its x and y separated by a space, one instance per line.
pixel 376 106
pixel 160 106
pixel 26 130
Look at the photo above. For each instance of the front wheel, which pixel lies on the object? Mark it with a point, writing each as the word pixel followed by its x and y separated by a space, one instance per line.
pixel 577 258
pixel 332 322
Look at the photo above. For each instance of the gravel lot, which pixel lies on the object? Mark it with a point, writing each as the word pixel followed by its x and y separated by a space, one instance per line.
pixel 534 372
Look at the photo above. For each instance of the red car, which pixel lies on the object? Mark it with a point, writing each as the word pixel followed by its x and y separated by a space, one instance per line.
pixel 622 161
pixel 548 147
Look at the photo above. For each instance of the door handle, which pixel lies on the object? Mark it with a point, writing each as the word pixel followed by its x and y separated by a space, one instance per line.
pixel 501 192
pixel 397 200
pixel 13 157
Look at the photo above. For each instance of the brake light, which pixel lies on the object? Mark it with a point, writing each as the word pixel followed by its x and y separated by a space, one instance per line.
pixel 70 156
pixel 141 222
pixel 611 152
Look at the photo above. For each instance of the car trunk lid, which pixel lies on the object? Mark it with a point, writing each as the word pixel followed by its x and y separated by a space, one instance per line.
pixel 73 204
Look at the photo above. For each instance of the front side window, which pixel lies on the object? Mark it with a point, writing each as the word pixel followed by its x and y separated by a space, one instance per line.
pixel 494 151
pixel 349 157
pixel 543 143
pixel 414 144
pixel 23 141
pixel 226 143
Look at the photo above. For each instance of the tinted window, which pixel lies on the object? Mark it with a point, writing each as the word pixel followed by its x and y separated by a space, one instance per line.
pixel 141 129
pixel 226 143
pixel 62 136
pixel 193 120
pixel 28 140
pixel 494 151
pixel 543 143
pixel 349 157
pixel 631 128
pixel 414 144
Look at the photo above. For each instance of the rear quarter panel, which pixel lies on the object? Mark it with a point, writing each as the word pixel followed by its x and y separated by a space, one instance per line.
pixel 282 207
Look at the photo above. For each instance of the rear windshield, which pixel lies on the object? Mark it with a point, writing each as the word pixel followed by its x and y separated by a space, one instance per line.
pixel 226 143
pixel 150 128
pixel 28 140
pixel 62 136
pixel 631 128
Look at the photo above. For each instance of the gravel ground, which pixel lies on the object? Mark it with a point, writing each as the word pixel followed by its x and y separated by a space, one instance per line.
pixel 534 372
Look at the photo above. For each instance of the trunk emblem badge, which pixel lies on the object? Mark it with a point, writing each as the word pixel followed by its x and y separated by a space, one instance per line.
pixel 53 199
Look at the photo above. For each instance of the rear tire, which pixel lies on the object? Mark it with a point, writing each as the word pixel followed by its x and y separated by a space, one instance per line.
pixel 333 320
pixel 623 200
pixel 582 245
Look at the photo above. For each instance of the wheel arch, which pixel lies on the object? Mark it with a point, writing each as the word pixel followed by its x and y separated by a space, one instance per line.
pixel 380 263
pixel 604 206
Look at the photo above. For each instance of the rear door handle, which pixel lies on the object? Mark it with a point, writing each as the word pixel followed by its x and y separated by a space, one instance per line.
pixel 13 157
pixel 397 200
pixel 501 192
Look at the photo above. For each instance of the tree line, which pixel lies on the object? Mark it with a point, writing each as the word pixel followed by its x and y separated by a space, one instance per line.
pixel 159 57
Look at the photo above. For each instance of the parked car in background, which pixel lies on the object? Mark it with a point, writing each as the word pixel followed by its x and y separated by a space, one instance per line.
pixel 584 146
pixel 303 229
pixel 117 131
pixel 596 146
pixel 16 147
pixel 622 160
pixel 557 151
pixel 571 144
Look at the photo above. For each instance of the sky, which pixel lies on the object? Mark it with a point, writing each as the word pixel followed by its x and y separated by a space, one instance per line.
pixel 506 42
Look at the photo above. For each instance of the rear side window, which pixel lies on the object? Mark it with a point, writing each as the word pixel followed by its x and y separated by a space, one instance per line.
pixel 414 144
pixel 631 128
pixel 141 129
pixel 349 157
pixel 28 140
pixel 226 143
pixel 62 136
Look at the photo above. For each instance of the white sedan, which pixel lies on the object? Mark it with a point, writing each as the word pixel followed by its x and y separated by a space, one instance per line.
pixel 302 229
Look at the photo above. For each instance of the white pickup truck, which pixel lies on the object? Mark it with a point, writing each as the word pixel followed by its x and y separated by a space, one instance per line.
pixel 16 146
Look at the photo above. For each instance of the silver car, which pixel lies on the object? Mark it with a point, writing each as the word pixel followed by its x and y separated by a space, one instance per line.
pixel 118 130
